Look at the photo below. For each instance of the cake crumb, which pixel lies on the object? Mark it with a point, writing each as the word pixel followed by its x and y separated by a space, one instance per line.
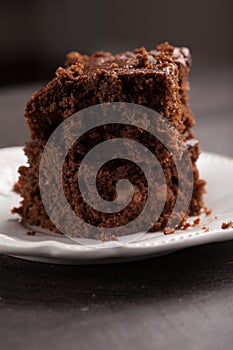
pixel 226 225
pixel 185 226
pixel 169 231
pixel 207 211
pixel 196 222
pixel 31 233
pixel 215 218
pixel 142 57
pixel 205 229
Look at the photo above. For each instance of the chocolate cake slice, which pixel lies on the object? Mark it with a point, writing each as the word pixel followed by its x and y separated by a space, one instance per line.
pixel 157 79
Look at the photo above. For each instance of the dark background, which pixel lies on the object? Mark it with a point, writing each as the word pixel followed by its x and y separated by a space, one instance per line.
pixel 36 35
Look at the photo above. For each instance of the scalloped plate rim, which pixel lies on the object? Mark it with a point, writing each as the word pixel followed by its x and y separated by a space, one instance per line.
pixel 52 251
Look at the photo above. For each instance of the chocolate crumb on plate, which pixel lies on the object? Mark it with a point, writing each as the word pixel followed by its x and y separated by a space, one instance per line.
pixel 168 231
pixel 205 229
pixel 207 211
pixel 31 233
pixel 226 225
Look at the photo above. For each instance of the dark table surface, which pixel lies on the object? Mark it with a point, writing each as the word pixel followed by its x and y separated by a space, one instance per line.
pixel 180 301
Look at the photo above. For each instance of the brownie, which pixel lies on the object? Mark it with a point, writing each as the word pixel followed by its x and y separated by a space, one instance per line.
pixel 157 79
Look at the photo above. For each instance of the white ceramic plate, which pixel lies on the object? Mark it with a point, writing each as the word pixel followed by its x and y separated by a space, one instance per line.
pixel 51 248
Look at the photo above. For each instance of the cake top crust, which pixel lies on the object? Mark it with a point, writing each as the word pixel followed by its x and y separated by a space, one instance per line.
pixel 164 59
pixel 156 79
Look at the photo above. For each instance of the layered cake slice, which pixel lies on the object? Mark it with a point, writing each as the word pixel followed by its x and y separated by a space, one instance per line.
pixel 156 79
